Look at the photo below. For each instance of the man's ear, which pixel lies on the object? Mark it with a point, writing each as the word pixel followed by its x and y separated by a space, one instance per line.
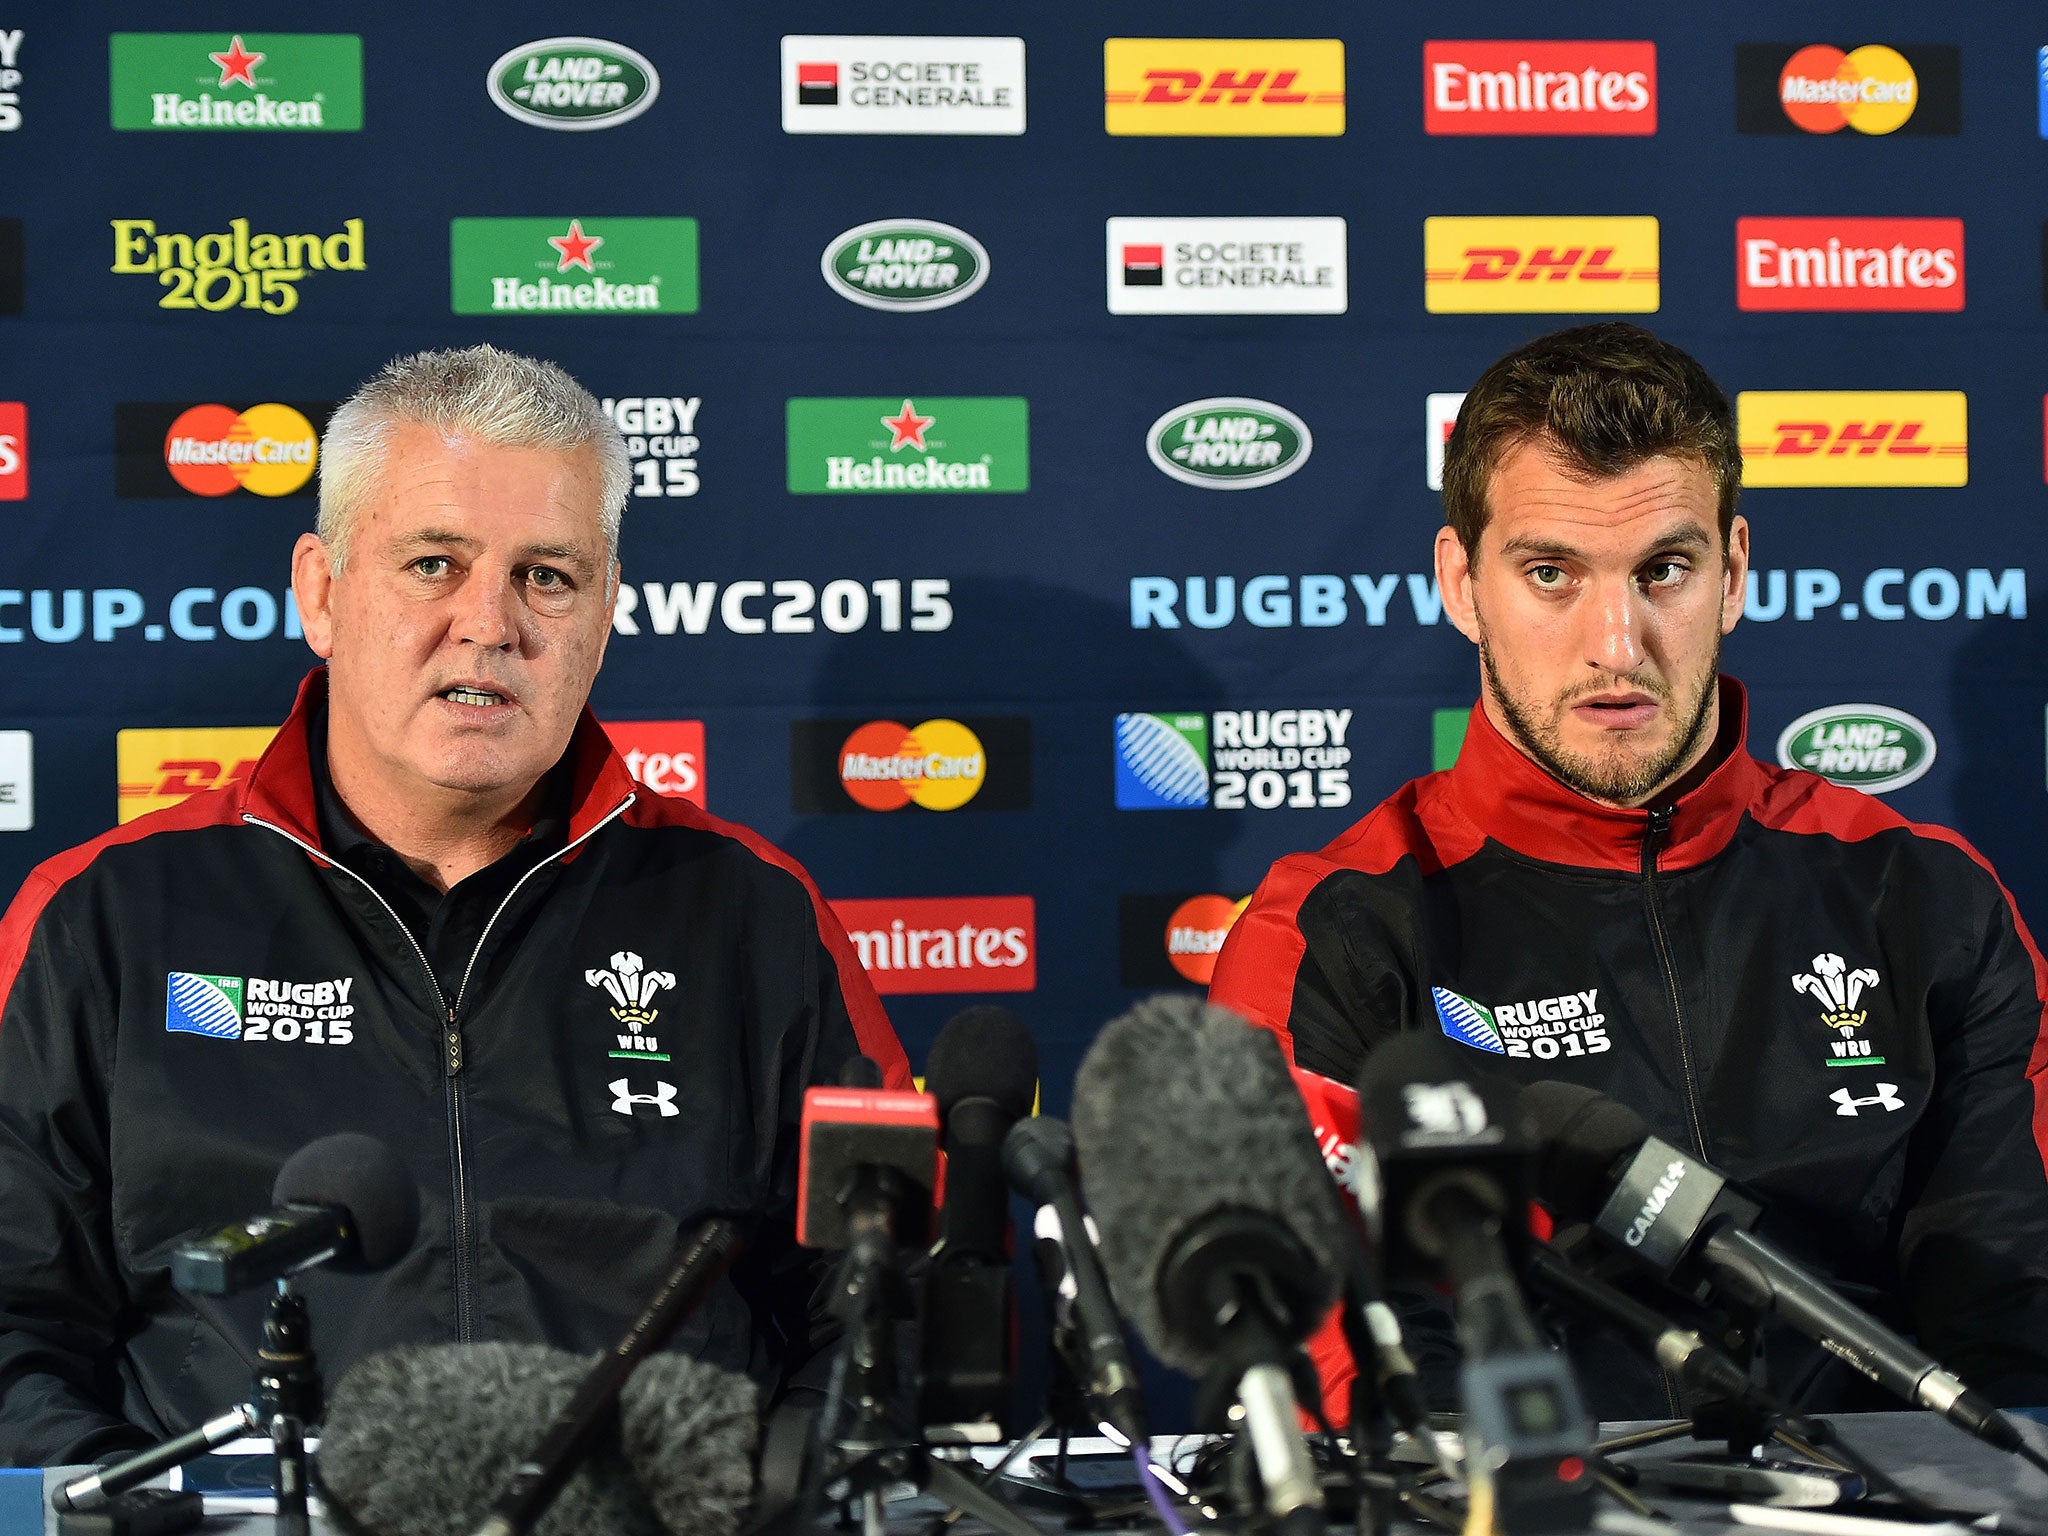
pixel 313 590
pixel 1454 581
pixel 1735 578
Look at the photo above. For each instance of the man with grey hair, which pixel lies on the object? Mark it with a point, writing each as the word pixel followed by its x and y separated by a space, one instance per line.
pixel 441 912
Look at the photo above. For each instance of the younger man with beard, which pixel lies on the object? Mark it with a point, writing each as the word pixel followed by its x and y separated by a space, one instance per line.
pixel 1840 1009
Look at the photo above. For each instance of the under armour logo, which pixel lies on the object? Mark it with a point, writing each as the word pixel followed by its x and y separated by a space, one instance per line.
pixel 664 1098
pixel 1886 1097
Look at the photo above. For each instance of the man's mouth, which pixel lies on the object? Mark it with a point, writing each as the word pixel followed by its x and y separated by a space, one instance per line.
pixel 482 698
pixel 1617 709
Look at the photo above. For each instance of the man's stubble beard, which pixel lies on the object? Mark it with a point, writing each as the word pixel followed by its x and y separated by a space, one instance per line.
pixel 1619 780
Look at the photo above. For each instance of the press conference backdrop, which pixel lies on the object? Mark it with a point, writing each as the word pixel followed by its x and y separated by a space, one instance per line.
pixel 1033 430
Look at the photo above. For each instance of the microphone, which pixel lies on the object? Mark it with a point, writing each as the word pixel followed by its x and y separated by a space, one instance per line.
pixel 345 1201
pixel 1038 1156
pixel 1371 1327
pixel 1452 1150
pixel 575 1429
pixel 983 1070
pixel 419 1439
pixel 1680 1217
pixel 1220 1229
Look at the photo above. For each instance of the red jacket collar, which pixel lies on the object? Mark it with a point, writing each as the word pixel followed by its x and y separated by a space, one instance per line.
pixel 280 790
pixel 1517 804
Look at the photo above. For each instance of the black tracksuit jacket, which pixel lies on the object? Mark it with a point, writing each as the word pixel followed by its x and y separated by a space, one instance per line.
pixel 194 996
pixel 1839 1009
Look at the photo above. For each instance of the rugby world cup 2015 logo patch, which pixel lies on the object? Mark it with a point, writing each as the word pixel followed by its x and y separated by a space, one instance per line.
pixel 1542 1029
pixel 198 1004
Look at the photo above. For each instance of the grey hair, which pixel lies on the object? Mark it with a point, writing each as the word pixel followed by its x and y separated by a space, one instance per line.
pixel 480 393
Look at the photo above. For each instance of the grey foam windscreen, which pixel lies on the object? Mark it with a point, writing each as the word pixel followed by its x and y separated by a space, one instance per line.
pixel 1181 1111
pixel 420 1441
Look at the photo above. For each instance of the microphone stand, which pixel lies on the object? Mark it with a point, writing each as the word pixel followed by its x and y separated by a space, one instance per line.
pixel 284 1397
pixel 872 1454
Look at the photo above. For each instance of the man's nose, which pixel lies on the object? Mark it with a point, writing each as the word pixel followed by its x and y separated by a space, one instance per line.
pixel 487 610
pixel 1614 627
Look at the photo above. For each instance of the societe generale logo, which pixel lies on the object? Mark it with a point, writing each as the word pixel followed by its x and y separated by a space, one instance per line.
pixel 1223 86
pixel 1845 264
pixel 1853 437
pixel 13 450
pixel 157 767
pixel 1475 87
pixel 1540 265
pixel 945 944
pixel 665 755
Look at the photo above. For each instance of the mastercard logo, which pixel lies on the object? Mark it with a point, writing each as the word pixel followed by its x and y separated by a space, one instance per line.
pixel 939 765
pixel 213 450
pixel 1195 934
pixel 1871 89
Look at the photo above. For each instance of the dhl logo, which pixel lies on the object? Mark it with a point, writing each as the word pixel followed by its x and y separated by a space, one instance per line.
pixel 1540 266
pixel 1853 437
pixel 1223 86
pixel 160 767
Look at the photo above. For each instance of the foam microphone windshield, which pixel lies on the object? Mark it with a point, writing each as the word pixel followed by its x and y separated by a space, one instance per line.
pixel 1583 1136
pixel 362 1176
pixel 984 1052
pixel 1193 1140
pixel 420 1441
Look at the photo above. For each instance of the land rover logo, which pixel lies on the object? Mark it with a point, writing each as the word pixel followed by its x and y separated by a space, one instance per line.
pixel 905 264
pixel 1865 746
pixel 1228 443
pixel 573 83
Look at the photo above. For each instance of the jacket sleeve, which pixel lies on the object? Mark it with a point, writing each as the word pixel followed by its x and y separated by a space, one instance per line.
pixel 1301 961
pixel 61 1294
pixel 1973 1228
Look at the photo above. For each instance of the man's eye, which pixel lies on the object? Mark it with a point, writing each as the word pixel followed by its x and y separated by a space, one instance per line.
pixel 1547 575
pixel 548 579
pixel 1663 573
pixel 431 565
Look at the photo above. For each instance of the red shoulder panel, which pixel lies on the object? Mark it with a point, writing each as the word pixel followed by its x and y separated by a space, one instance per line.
pixel 210 808
pixel 1255 972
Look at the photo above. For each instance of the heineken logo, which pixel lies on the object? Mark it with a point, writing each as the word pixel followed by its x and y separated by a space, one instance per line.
pixel 924 443
pixel 268 81
pixel 584 266
pixel 1863 746
pixel 573 83
pixel 905 264
pixel 1229 443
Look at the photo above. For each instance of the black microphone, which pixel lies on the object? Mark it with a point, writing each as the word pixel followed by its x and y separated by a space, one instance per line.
pixel 1452 1149
pixel 420 1439
pixel 1038 1155
pixel 983 1070
pixel 1220 1225
pixel 1680 1217
pixel 573 1431
pixel 345 1201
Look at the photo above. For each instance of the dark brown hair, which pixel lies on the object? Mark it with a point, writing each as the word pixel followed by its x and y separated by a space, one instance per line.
pixel 1602 399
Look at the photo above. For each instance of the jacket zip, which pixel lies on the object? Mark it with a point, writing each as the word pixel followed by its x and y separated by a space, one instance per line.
pixel 1654 835
pixel 452 1061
